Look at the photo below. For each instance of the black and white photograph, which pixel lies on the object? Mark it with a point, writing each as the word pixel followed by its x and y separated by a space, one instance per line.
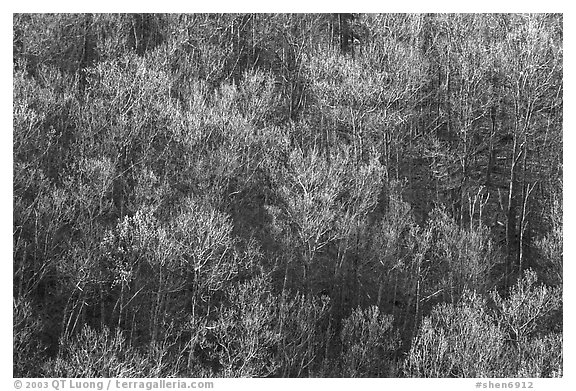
pixel 287 195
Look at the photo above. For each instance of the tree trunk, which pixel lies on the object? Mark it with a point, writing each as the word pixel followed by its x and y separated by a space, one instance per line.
pixel 511 224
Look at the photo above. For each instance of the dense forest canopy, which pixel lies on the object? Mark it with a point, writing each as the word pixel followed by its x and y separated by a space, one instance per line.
pixel 287 195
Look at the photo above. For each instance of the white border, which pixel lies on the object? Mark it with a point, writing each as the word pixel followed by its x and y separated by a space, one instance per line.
pixel 567 383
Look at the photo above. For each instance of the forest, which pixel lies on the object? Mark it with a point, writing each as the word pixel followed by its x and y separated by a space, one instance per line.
pixel 287 195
